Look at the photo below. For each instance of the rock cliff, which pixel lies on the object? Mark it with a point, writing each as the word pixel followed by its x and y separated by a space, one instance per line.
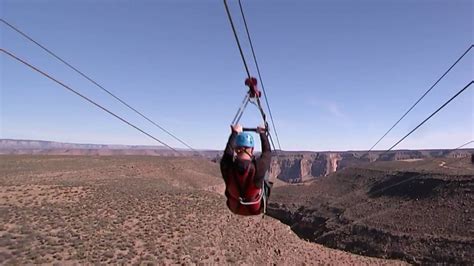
pixel 295 167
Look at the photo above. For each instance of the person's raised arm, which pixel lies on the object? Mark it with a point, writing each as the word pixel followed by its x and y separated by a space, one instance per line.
pixel 228 156
pixel 263 163
pixel 264 140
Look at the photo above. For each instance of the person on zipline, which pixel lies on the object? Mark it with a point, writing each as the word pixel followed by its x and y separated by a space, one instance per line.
pixel 246 178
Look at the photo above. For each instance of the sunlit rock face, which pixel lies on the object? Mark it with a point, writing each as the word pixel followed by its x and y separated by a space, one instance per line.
pixel 295 167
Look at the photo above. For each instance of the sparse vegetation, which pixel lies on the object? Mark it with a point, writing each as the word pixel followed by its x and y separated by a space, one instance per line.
pixel 161 210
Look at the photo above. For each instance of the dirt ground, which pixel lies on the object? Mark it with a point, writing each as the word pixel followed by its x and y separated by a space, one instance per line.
pixel 419 211
pixel 60 209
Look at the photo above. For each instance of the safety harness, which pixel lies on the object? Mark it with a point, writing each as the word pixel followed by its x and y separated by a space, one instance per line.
pixel 250 199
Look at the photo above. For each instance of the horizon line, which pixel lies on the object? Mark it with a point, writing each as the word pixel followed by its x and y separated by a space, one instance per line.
pixel 218 150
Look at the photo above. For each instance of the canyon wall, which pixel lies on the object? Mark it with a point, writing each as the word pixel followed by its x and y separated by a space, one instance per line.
pixel 296 167
pixel 293 167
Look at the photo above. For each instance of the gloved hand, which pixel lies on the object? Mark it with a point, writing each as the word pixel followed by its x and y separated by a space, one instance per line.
pixel 261 129
pixel 236 128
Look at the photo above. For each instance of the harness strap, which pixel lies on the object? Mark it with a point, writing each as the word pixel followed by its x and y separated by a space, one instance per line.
pixel 247 170
pixel 248 180
pixel 241 200
pixel 264 202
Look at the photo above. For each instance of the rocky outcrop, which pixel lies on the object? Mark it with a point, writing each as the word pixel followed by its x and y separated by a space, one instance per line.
pixel 333 162
pixel 418 211
pixel 296 167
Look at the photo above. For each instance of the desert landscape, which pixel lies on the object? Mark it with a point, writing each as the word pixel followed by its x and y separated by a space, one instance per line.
pixel 116 115
pixel 138 209
pixel 288 166
pixel 419 211
pixel 86 203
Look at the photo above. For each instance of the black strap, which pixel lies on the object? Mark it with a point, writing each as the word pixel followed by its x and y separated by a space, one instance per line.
pixel 247 178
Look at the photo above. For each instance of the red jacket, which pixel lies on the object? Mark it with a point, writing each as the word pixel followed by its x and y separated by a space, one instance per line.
pixel 244 179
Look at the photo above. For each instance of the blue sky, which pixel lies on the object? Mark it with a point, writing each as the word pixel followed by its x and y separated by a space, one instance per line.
pixel 338 73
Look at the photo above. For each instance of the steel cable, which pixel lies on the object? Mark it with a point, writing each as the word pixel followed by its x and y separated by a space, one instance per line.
pixel 424 94
pixel 246 67
pixel 441 107
pixel 96 83
pixel 258 72
pixel 86 98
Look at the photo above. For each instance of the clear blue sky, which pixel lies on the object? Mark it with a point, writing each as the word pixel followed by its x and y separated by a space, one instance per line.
pixel 338 73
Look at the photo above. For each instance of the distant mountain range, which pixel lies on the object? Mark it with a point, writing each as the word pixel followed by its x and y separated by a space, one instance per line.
pixel 289 166
pixel 41 144
pixel 32 147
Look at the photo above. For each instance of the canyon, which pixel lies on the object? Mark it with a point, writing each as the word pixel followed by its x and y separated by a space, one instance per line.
pixel 297 167
pixel 288 166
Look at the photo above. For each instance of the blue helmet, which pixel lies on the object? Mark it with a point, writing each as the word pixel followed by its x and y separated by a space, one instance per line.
pixel 244 139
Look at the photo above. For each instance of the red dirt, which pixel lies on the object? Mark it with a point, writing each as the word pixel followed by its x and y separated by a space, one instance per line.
pixel 59 209
pixel 418 211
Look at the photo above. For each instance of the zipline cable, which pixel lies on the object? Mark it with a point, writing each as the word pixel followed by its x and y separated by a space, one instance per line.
pixel 421 165
pixel 441 107
pixel 465 144
pixel 406 113
pixel 259 105
pixel 259 75
pixel 86 98
pixel 95 83
pixel 380 190
pixel 236 38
